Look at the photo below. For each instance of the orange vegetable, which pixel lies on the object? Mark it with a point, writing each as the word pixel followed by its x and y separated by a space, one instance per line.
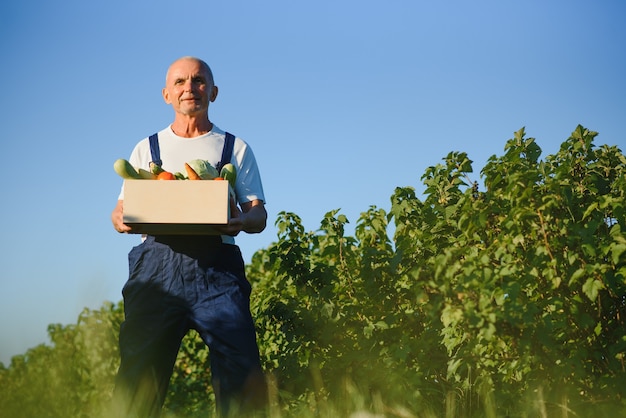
pixel 166 175
pixel 191 173
pixel 218 178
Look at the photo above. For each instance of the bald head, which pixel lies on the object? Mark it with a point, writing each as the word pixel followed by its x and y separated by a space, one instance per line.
pixel 205 68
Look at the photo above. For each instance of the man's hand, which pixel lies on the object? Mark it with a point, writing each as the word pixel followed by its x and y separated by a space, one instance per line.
pixel 251 218
pixel 117 217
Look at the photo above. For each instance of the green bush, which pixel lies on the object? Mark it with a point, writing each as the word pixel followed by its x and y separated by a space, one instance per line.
pixel 478 300
pixel 504 298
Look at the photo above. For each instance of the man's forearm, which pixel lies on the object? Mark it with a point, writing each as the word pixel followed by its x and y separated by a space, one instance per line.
pixel 255 219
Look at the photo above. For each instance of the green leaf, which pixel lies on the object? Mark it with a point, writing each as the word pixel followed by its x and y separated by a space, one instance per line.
pixel 576 275
pixel 592 287
pixel 616 252
pixel 590 210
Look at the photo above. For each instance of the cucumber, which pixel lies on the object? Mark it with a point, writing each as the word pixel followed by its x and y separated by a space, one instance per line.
pixel 123 168
pixel 145 174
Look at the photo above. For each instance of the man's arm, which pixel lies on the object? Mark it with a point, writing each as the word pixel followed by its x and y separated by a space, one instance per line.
pixel 255 216
pixel 117 217
pixel 252 218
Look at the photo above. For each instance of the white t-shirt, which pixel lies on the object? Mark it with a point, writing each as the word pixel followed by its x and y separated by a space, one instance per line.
pixel 175 151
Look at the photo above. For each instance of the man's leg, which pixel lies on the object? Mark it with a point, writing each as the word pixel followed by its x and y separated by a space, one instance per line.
pixel 150 336
pixel 223 320
pixel 146 366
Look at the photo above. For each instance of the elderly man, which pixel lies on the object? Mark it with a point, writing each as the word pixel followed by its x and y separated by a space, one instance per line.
pixel 177 282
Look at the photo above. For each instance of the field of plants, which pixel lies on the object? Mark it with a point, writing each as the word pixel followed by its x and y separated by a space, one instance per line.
pixel 495 295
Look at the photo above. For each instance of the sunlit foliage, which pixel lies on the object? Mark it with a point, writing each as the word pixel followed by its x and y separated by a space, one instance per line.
pixel 491 296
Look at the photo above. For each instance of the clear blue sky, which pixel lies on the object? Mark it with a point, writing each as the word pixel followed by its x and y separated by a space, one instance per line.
pixel 341 101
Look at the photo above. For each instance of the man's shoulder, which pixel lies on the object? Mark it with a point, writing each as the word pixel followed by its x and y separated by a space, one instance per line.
pixel 216 130
pixel 238 141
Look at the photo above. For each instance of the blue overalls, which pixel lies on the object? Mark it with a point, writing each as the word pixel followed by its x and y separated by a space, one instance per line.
pixel 175 284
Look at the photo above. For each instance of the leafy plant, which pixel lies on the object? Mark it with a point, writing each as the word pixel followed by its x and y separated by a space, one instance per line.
pixel 499 297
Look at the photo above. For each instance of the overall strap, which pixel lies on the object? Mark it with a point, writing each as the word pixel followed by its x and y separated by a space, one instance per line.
pixel 227 151
pixel 154 149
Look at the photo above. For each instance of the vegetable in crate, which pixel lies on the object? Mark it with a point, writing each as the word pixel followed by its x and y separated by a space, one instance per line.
pixel 204 169
pixel 125 170
pixel 191 173
pixel 229 172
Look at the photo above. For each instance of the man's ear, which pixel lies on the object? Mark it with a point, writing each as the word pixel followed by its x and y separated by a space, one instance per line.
pixel 213 95
pixel 166 96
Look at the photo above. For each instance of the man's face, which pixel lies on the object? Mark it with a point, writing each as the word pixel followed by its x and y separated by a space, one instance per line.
pixel 188 87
